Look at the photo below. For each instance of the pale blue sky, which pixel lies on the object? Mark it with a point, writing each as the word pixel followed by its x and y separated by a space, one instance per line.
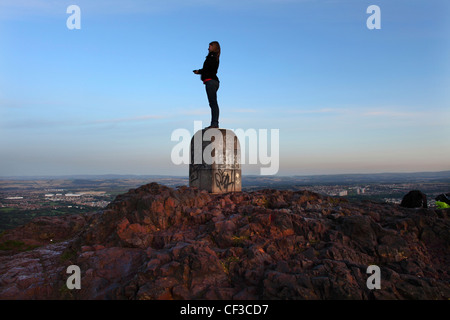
pixel 106 98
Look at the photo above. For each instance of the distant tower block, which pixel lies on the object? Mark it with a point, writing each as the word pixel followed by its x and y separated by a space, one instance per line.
pixel 215 163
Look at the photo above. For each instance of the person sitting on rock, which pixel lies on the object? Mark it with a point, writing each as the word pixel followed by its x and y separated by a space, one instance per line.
pixel 414 199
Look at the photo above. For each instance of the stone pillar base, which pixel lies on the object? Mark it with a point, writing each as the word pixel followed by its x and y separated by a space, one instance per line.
pixel 215 164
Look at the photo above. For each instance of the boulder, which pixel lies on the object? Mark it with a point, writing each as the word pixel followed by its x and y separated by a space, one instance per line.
pixel 414 199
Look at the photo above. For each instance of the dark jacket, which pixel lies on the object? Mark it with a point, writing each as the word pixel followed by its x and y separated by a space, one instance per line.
pixel 210 66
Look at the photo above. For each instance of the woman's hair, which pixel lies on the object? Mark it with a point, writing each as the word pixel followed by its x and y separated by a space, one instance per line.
pixel 216 48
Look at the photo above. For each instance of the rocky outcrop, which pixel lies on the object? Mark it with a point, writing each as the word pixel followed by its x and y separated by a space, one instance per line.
pixel 414 199
pixel 156 242
pixel 41 231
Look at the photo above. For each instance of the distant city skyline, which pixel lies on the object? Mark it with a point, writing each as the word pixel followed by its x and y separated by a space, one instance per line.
pixel 106 98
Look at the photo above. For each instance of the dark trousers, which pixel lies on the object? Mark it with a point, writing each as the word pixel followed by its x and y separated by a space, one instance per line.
pixel 211 90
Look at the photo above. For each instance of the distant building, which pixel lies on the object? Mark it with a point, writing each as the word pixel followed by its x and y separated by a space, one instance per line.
pixel 343 193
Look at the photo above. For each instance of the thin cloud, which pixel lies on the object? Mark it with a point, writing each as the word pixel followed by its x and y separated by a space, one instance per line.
pixel 47 124
pixel 10 104
pixel 319 111
pixel 129 119
pixel 197 112
pixel 362 112
pixel 244 110
pixel 393 113
pixel 34 124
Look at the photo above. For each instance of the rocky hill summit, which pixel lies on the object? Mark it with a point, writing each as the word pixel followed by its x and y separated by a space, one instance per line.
pixel 156 242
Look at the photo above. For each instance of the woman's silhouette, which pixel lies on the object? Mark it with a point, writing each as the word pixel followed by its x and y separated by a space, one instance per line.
pixel 209 77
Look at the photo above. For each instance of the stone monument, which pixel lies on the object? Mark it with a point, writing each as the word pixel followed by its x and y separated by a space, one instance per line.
pixel 215 163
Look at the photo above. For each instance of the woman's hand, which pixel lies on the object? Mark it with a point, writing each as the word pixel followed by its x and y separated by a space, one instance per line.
pixel 196 71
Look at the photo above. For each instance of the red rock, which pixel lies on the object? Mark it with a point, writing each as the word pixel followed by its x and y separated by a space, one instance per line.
pixel 155 242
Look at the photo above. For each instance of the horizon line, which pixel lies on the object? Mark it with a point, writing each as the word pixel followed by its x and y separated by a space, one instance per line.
pixel 244 175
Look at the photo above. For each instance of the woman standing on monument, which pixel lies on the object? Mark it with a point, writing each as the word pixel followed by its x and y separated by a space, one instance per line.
pixel 209 77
